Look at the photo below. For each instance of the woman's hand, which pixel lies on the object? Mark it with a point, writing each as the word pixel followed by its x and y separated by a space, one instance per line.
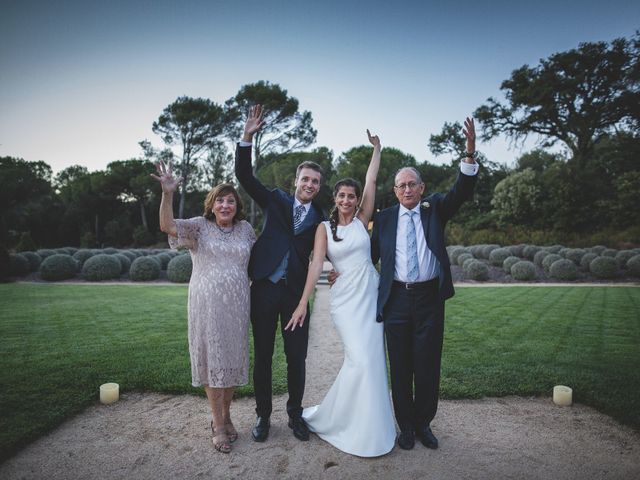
pixel 253 124
pixel 166 178
pixel 373 139
pixel 297 318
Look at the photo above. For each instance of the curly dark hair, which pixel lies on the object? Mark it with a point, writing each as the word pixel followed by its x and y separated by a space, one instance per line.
pixel 333 216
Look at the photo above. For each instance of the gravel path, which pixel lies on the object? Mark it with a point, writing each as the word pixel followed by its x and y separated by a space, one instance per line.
pixel 152 436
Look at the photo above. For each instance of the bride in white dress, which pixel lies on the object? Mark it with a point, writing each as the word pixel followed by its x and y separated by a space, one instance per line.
pixel 355 415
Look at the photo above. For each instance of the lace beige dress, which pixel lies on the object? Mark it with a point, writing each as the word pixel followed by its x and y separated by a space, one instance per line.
pixel 218 300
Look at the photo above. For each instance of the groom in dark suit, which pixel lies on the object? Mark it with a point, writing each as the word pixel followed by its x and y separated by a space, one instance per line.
pixel 278 268
pixel 415 281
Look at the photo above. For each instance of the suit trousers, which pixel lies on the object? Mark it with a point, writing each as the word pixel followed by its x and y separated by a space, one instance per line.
pixel 271 302
pixel 414 329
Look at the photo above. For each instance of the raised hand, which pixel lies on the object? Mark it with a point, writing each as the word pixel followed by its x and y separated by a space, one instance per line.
pixel 373 139
pixel 469 131
pixel 254 123
pixel 166 178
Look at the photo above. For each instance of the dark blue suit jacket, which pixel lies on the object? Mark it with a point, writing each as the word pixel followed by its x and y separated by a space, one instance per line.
pixel 434 219
pixel 277 237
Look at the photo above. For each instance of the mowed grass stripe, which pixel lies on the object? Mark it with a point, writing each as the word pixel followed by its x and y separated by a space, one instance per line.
pixel 60 342
pixel 526 340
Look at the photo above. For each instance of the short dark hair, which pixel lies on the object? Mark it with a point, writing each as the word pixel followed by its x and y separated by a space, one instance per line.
pixel 312 166
pixel 220 191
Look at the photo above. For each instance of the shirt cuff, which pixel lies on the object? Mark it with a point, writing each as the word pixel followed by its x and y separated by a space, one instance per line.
pixel 245 144
pixel 469 169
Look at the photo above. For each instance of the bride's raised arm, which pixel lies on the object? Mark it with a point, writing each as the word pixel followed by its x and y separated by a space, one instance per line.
pixel 315 269
pixel 369 191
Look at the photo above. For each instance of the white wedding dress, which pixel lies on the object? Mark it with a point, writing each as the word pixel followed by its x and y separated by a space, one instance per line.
pixel 355 415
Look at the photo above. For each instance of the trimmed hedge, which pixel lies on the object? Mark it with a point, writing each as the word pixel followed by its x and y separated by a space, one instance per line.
pixel 58 267
pixel 598 249
pixel 623 256
pixel 586 260
pixel 563 269
pixel 554 248
pixel 530 251
pixel 18 265
pixel 101 267
pixel 179 269
pixel 82 256
pixel 487 249
pixel 125 262
pixel 575 255
pixel 539 256
pixel 34 260
pixel 462 258
pixel 633 266
pixel 604 267
pixel 144 269
pixel 523 270
pixel 510 262
pixel 45 252
pixel 517 250
pixel 609 252
pixel 548 260
pixel 476 270
pixel 498 256
pixel 164 259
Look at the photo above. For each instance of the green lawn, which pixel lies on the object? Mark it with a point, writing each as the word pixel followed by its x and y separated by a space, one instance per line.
pixel 58 343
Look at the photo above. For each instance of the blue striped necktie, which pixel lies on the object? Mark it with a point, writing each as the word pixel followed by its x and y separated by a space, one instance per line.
pixel 297 217
pixel 413 269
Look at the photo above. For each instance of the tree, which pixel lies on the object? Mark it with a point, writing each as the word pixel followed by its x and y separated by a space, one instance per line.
pixel 449 141
pixel 355 161
pixel 517 198
pixel 25 198
pixel 129 180
pixel 575 97
pixel 285 128
pixel 194 124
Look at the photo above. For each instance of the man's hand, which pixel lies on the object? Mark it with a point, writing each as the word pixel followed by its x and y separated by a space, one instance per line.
pixel 254 123
pixel 332 276
pixel 469 131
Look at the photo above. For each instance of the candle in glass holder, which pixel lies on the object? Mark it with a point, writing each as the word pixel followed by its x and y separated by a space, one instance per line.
pixel 109 393
pixel 562 396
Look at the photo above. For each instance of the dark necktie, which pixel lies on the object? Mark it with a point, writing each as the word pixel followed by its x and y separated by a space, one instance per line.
pixel 297 217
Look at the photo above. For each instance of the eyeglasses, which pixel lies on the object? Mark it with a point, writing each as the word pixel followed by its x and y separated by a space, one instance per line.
pixel 404 186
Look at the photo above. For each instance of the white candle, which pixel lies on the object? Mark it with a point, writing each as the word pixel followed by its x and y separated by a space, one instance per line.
pixel 109 393
pixel 562 396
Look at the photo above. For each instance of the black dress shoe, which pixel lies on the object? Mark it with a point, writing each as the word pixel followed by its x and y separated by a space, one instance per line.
pixel 261 431
pixel 406 440
pixel 299 427
pixel 427 437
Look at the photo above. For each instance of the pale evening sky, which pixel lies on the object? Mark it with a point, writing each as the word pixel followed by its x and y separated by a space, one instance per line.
pixel 81 82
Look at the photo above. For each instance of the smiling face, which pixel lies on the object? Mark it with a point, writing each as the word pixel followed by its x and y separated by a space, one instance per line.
pixel 307 184
pixel 224 209
pixel 408 188
pixel 346 200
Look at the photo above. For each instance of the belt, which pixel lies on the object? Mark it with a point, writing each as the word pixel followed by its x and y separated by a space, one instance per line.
pixel 416 285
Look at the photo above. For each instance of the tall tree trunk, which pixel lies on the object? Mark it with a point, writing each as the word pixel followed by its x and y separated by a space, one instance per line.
pixel 143 215
pixel 183 193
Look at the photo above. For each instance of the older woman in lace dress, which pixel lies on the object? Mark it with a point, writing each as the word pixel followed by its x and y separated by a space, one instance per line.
pixel 220 244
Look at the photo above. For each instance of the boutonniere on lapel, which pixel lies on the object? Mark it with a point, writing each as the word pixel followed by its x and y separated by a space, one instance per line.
pixel 425 205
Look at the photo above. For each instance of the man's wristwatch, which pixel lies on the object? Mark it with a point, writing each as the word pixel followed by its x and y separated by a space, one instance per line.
pixel 473 155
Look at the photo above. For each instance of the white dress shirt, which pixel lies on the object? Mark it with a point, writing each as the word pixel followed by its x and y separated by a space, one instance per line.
pixel 429 267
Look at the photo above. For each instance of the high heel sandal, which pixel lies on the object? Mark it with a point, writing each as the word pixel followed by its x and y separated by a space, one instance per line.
pixel 224 445
pixel 232 433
